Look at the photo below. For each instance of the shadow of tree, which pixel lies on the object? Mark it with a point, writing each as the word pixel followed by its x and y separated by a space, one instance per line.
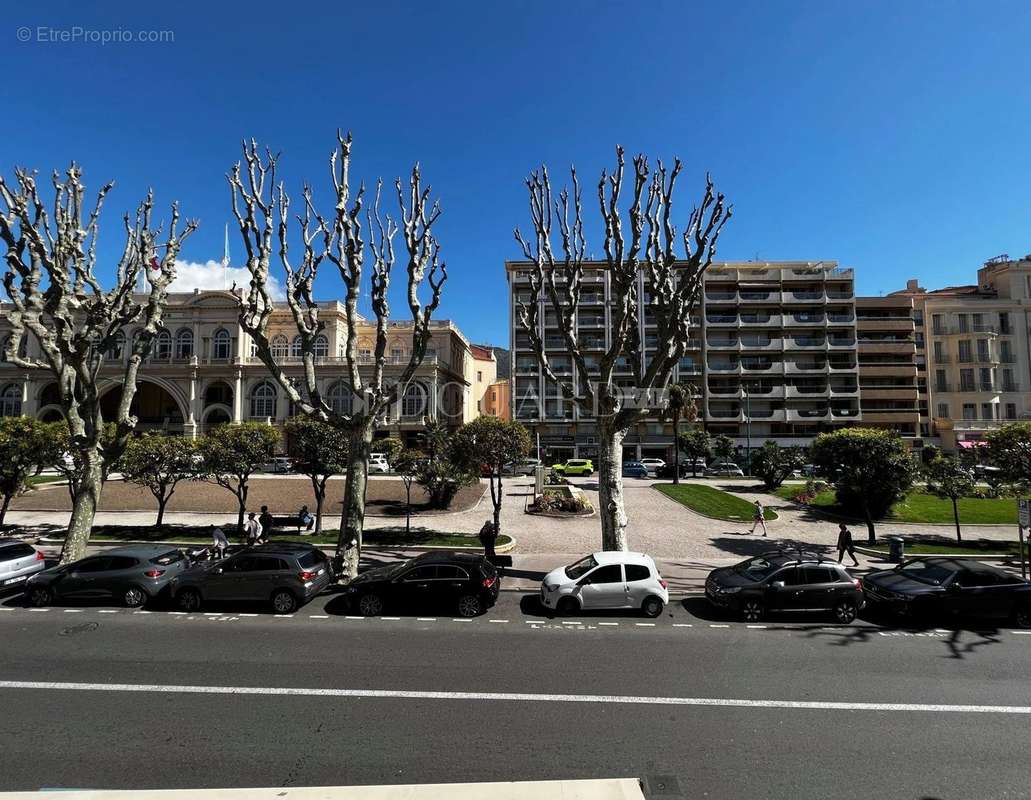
pixel 736 543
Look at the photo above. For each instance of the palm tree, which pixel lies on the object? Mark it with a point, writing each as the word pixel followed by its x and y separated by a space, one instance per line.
pixel 680 403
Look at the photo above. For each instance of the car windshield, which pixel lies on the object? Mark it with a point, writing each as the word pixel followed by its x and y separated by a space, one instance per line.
pixel 581 568
pixel 927 571
pixel 756 568
pixel 171 557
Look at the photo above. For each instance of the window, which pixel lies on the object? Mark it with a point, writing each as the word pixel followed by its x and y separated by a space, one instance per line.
pixel 414 402
pixel 939 380
pixel 396 354
pixel 792 576
pixel 937 323
pixel 220 345
pixel 978 322
pixel 820 575
pixel 184 343
pixel 90 565
pixel 965 351
pixel 987 410
pixel 1004 322
pixel 982 350
pixel 117 346
pixel 969 411
pixel 1011 411
pixel 365 354
pixel 987 380
pixel 479 406
pixel 637 572
pixel 1006 351
pixel 163 345
pixel 939 351
pixel 297 346
pixel 10 401
pixel 120 562
pixel 321 346
pixel 340 397
pixel 420 574
pixel 447 572
pixel 263 400
pixel 943 410
pixel 966 380
pixel 479 375
pixel 610 573
pixel 279 346
pixel 964 323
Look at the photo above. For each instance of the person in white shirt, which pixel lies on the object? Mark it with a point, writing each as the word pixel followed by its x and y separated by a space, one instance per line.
pixel 759 517
pixel 252 528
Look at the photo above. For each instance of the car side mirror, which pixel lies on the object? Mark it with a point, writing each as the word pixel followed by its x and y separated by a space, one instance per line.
pixel 777 585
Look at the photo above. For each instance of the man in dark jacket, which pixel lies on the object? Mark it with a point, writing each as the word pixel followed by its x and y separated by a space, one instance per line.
pixel 488 538
pixel 845 544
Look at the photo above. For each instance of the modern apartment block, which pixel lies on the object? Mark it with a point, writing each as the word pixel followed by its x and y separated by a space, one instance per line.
pixel 975 341
pixel 203 371
pixel 774 357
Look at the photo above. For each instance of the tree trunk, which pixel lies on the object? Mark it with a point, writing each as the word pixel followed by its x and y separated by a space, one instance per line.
pixel 955 516
pixel 162 502
pixel 497 503
pixel 408 507
pixel 871 535
pixel 3 508
pixel 349 545
pixel 676 448
pixel 610 487
pixel 241 500
pixel 84 507
pixel 319 489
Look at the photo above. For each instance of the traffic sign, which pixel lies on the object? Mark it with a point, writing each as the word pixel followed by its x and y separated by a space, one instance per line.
pixel 1024 512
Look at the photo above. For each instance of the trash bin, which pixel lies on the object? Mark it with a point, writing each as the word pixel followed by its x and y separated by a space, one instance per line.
pixel 896 549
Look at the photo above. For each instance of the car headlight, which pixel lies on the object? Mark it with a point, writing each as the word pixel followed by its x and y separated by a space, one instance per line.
pixel 731 589
pixel 550 587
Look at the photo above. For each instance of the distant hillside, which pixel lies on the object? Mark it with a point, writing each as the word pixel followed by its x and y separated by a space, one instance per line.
pixel 504 359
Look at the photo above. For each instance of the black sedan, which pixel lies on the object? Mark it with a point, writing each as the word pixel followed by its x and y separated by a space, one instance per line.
pixel 130 575
pixel 927 588
pixel 463 581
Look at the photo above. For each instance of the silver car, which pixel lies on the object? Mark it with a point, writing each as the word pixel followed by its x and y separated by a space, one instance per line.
pixel 18 560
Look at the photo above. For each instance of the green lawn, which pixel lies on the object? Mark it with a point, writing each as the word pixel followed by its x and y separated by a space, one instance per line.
pixel 390 537
pixel 922 507
pixel 983 547
pixel 711 502
pixel 37 479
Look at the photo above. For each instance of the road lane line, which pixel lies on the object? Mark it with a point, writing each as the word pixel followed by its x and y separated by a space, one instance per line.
pixel 525 697
pixel 109 611
pixel 353 617
pixel 6 608
pixel 683 625
pixel 245 615
pixel 283 616
pixel 1022 633
pixel 645 624
pixel 498 620
pixel 756 627
pixel 318 616
pixel 613 624
pixel 73 611
pixel 393 619
pixel 572 622
pixel 426 619
pixel 457 619
pixel 42 610
pixel 712 625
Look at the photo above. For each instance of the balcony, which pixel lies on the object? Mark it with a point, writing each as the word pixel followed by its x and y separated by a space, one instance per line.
pixel 764 414
pixel 805 366
pixel 796 392
pixel 721 319
pixel 756 296
pixel 852 388
pixel 806 319
pixel 718 296
pixel 844 412
pixel 722 344
pixel 841 366
pixel 804 297
pixel 839 342
pixel 808 342
pixel 837 296
pixel 760 319
pixel 840 319
pixel 753 388
pixel 727 390
pixel 529 367
pixel 725 413
pixel 807 414
pixel 756 366
pixel 724 366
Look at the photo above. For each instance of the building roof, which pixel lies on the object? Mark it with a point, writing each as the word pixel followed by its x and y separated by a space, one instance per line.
pixel 481 352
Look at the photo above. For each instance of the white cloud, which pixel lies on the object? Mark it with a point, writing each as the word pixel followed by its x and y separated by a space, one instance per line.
pixel 192 275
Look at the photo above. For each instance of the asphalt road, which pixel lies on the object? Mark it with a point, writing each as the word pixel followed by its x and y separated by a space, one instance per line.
pixel 695 705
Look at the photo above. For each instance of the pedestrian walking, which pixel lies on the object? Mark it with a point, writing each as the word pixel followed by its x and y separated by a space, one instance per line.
pixel 845 544
pixel 252 529
pixel 305 519
pixel 219 542
pixel 759 517
pixel 488 538
pixel 266 522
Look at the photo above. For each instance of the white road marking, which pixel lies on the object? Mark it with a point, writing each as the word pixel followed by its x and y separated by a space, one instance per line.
pixel 499 620
pixel 571 622
pixel 533 621
pixel 526 697
pixel 426 619
pixel 394 619
pixel 458 619
pixel 177 613
pixel 248 615
pixel 283 616
pixel 109 611
pixel 44 610
pixel 1022 633
pixel 757 627
pixel 682 625
pixel 318 616
pixel 6 608
pixel 213 614
pixel 142 612
pixel 645 624
pixel 73 611
pixel 713 625
pixel 614 624
pixel 353 617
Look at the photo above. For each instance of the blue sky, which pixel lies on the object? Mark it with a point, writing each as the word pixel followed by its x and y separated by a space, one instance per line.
pixel 892 137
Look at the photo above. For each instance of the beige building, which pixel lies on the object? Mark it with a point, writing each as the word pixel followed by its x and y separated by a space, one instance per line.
pixel 498 400
pixel 203 371
pixel 484 373
pixel 974 341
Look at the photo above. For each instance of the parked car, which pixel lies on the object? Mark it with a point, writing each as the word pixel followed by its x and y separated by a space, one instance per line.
pixel 653 464
pixel 724 469
pixel 634 469
pixel 575 466
pixel 285 575
pixel 666 472
pixel 18 561
pixel 929 588
pixel 378 463
pixel 785 580
pixel 279 464
pixel 525 467
pixel 467 582
pixel 606 580
pixel 132 575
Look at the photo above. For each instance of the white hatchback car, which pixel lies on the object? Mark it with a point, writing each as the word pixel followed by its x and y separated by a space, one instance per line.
pixel 606 580
pixel 652 464
pixel 378 463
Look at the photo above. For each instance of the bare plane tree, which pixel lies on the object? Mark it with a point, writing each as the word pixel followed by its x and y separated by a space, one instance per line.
pixel 261 209
pixel 56 296
pixel 672 288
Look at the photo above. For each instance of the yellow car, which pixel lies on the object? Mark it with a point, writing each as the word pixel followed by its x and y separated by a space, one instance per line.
pixel 574 466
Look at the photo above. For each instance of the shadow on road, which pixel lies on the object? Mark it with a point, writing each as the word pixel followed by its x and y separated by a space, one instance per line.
pixel 754 544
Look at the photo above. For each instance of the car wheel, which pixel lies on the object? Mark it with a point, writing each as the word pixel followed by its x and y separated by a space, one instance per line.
pixel 469 605
pixel 1022 616
pixel 284 602
pixel 567 606
pixel 40 596
pixel 188 600
pixel 134 597
pixel 652 607
pixel 371 605
pixel 752 610
pixel 845 611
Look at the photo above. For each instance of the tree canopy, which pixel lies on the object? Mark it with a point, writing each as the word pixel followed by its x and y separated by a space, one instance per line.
pixel 27 446
pixel 773 463
pixel 159 463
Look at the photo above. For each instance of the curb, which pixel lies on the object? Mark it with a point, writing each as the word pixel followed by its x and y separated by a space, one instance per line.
pixel 504 548
pixel 869 551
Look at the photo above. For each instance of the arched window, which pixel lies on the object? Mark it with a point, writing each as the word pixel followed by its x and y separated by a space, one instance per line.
pixel 321 346
pixel 340 398
pixel 3 348
pixel 414 402
pixel 397 353
pixel 117 348
pixel 263 400
pixel 163 345
pixel 297 346
pixel 10 401
pixel 279 346
pixel 184 343
pixel 220 345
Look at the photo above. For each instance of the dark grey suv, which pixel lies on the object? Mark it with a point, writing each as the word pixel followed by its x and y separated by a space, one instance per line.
pixel 131 575
pixel 283 575
pixel 786 581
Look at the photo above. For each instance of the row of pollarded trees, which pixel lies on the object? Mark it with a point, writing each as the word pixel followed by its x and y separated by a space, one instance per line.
pixel 54 286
